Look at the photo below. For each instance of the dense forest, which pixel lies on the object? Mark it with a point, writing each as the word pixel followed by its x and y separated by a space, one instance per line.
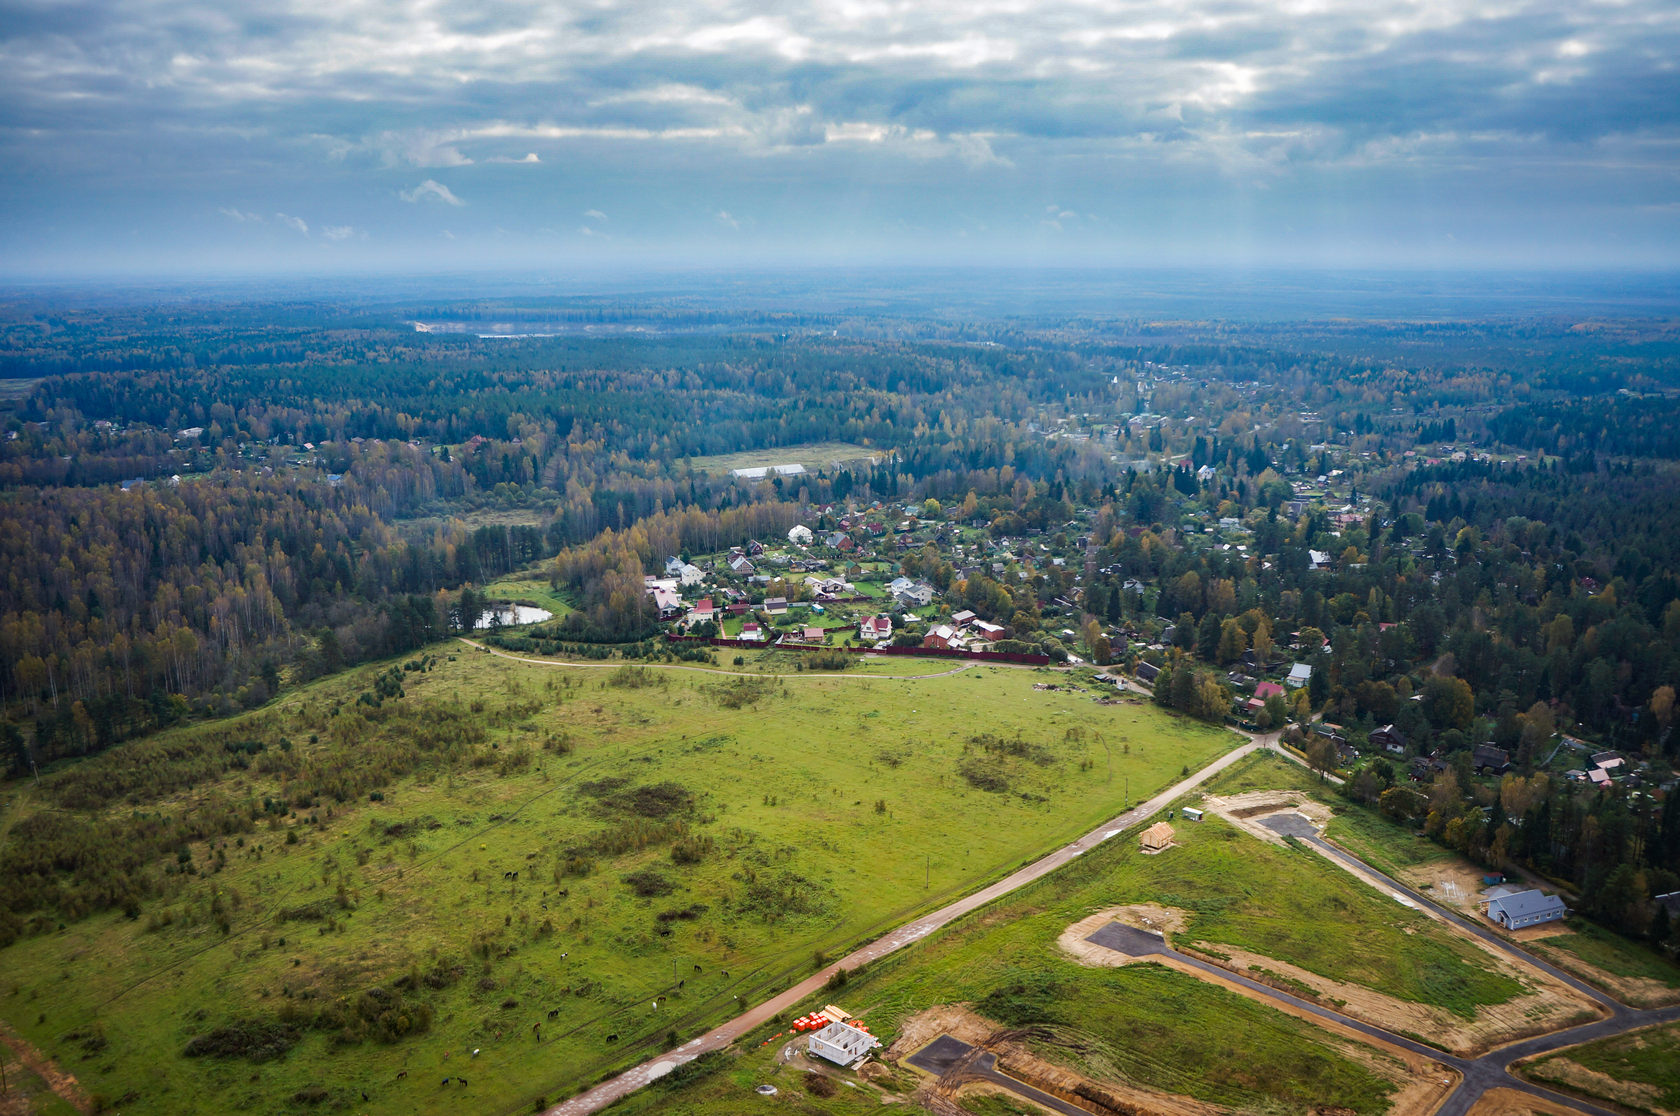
pixel 201 507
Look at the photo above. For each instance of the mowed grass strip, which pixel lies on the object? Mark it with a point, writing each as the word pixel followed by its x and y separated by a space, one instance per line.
pixel 684 845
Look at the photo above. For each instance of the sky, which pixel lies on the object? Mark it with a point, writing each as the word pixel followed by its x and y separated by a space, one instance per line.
pixel 181 137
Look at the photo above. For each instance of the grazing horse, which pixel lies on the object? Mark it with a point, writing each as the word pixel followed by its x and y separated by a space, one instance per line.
pixel 612 1038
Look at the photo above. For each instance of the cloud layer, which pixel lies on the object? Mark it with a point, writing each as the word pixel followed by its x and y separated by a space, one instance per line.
pixel 1113 130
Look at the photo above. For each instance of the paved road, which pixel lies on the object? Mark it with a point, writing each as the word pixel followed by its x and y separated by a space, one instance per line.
pixel 716 1039
pixel 1485 933
pixel 1477 1075
pixel 946 1054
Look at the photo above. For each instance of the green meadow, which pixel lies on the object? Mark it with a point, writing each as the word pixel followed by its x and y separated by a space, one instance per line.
pixel 523 876
pixel 1147 1024
pixel 530 589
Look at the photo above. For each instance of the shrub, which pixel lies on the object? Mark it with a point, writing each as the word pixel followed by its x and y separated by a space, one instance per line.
pixel 649 883
pixel 255 1040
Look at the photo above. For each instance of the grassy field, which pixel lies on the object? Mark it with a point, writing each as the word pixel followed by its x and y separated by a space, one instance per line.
pixel 1638 1070
pixel 1383 845
pixel 532 589
pixel 680 840
pixel 1147 1024
pixel 812 455
pixel 1394 849
pixel 1612 953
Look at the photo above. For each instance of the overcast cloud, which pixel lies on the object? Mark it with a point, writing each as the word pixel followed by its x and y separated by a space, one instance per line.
pixel 472 132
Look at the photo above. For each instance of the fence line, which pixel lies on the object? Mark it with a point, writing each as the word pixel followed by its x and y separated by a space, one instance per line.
pixel 918 652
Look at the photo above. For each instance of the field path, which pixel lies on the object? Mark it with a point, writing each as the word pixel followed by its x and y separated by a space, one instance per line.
pixel 719 1037
pixel 714 670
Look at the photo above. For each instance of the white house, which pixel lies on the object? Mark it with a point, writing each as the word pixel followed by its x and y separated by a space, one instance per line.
pixel 690 574
pixel 799 535
pixel 1299 675
pixel 875 628
pixel 916 595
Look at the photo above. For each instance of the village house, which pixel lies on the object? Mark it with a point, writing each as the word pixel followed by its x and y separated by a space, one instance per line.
pixel 916 596
pixel 1489 759
pixel 799 535
pixel 752 632
pixel 875 628
pixel 943 637
pixel 1389 739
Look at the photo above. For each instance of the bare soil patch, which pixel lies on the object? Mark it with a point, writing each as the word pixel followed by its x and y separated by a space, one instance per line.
pixel 1156 919
pixel 46 1069
pixel 1246 810
pixel 1450 883
pixel 1537 933
pixel 1509 1102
